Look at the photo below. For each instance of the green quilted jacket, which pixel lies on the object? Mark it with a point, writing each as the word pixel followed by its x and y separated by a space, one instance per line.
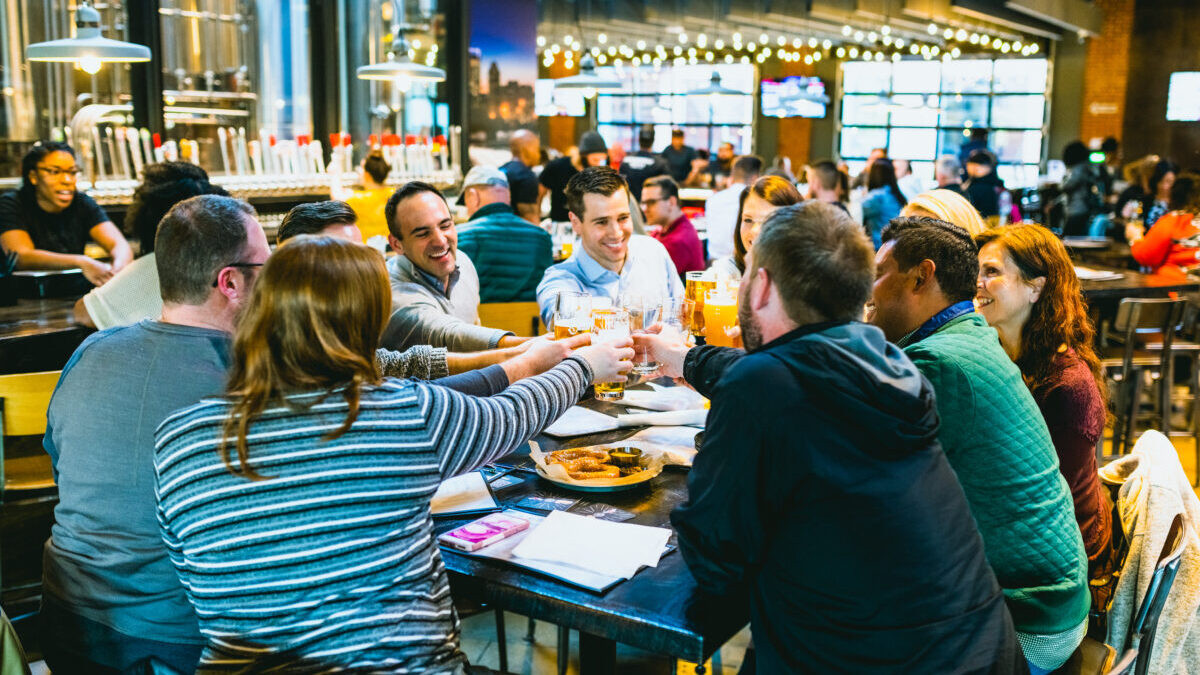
pixel 509 252
pixel 998 444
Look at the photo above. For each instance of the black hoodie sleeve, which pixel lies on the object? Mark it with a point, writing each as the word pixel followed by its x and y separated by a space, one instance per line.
pixel 703 366
pixel 720 527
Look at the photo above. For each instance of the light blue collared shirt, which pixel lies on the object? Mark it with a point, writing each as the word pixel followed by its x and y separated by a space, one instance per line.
pixel 648 271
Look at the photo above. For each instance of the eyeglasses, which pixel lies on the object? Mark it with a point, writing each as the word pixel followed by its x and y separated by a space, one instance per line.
pixel 235 264
pixel 55 172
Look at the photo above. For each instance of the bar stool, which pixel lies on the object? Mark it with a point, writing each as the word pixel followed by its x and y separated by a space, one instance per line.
pixel 1144 330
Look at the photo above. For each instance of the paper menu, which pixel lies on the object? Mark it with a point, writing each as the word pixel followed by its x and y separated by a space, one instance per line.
pixel 463 495
pixel 593 545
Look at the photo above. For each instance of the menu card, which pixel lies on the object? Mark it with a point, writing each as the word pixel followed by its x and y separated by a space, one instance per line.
pixel 468 494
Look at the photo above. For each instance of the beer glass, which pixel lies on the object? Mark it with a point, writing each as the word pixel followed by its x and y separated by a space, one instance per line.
pixel 720 316
pixel 697 284
pixel 643 313
pixel 610 325
pixel 572 314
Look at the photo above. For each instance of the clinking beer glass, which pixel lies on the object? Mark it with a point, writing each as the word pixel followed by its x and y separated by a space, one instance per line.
pixel 697 284
pixel 572 314
pixel 720 316
pixel 610 325
pixel 643 313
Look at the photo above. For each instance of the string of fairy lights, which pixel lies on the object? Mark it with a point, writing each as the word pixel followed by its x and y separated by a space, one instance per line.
pixel 868 44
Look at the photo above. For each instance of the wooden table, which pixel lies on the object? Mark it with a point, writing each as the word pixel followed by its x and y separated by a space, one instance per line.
pixel 1135 285
pixel 660 609
pixel 38 334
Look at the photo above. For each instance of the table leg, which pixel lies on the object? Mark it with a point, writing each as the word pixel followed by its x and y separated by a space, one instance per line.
pixel 597 655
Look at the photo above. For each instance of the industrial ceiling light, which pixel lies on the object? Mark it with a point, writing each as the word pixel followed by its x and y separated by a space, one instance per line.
pixel 88 49
pixel 399 66
pixel 715 88
pixel 587 79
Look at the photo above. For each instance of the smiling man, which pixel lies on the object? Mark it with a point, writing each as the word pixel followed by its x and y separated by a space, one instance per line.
pixel 435 289
pixel 47 223
pixel 610 260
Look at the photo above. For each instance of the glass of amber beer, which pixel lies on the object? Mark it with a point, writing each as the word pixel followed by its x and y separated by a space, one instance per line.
pixel 720 316
pixel 572 314
pixel 697 284
pixel 610 325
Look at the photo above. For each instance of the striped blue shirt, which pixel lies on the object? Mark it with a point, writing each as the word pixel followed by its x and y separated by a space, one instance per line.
pixel 331 563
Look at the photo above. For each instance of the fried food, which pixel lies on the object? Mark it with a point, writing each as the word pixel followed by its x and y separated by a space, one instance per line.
pixel 589 464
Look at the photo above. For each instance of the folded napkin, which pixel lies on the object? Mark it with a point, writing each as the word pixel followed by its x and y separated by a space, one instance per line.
pixel 676 445
pixel 600 546
pixel 669 418
pixel 1089 274
pixel 664 398
pixel 578 421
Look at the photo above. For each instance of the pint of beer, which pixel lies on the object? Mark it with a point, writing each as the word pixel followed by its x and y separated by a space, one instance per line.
pixel 609 325
pixel 572 314
pixel 697 284
pixel 720 316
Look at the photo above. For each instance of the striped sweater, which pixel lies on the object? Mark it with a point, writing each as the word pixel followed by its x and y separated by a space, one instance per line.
pixel 331 563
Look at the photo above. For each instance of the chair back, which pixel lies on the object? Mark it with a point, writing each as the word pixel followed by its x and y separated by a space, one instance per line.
pixel 523 319
pixel 24 399
pixel 1145 621
pixel 1141 315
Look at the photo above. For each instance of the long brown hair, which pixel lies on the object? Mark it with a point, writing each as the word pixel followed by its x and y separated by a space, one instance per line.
pixel 313 323
pixel 1059 317
pixel 775 191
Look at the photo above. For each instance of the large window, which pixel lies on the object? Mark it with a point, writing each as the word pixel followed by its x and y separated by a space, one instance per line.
pixel 920 110
pixel 658 95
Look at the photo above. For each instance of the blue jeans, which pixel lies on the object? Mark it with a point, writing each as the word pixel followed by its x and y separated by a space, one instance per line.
pixel 73 644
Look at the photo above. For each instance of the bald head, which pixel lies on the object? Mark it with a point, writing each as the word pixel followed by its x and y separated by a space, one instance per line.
pixel 526 147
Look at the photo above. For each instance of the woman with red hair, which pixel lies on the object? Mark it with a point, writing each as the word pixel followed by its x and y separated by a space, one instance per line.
pixel 1029 293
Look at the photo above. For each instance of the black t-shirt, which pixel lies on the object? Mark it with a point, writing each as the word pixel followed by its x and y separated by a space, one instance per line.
pixel 639 167
pixel 679 162
pixel 65 232
pixel 522 183
pixel 555 176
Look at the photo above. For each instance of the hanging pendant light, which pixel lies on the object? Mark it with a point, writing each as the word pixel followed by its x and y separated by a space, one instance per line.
pixel 715 88
pixel 587 79
pixel 399 66
pixel 88 49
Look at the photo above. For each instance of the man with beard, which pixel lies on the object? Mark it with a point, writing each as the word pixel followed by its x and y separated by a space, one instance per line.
pixel 820 493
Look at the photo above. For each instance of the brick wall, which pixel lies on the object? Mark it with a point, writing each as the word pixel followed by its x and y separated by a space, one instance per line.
pixel 1106 73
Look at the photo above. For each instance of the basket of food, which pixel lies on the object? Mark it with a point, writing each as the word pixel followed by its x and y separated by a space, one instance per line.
pixel 600 468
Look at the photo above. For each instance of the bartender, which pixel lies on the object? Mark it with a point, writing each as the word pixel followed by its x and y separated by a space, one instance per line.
pixel 47 222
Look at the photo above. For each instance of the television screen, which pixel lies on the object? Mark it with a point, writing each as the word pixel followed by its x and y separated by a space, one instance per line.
pixel 551 102
pixel 794 96
pixel 1183 97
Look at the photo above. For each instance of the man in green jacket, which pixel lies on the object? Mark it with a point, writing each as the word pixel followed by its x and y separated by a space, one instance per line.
pixel 992 432
pixel 509 253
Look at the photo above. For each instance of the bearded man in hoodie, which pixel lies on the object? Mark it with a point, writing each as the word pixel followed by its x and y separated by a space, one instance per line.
pixel 820 493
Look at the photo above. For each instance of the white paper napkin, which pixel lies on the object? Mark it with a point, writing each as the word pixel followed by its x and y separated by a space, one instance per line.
pixel 578 421
pixel 677 445
pixel 601 546
pixel 670 418
pixel 664 398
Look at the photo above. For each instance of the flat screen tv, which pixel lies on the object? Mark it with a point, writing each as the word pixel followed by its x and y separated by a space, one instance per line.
pixel 794 96
pixel 1183 97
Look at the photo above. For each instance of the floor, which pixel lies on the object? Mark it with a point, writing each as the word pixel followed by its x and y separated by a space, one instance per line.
pixel 540 656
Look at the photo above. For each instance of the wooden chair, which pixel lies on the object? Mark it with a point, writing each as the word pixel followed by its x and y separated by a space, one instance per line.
pixel 27 490
pixel 24 399
pixel 522 318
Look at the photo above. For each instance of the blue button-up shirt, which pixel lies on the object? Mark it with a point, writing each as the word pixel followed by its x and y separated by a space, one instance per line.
pixel 648 271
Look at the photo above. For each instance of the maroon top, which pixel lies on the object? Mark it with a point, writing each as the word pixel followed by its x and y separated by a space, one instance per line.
pixel 682 242
pixel 1075 413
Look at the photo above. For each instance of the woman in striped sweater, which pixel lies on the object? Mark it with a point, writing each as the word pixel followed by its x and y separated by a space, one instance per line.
pixel 296 508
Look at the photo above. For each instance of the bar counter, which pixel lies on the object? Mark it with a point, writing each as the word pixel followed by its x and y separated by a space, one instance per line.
pixel 38 334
